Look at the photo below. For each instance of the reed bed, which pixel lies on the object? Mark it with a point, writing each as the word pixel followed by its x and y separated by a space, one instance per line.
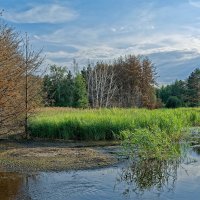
pixel 109 124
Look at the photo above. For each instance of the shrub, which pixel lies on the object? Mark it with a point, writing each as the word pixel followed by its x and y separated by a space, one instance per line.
pixel 173 102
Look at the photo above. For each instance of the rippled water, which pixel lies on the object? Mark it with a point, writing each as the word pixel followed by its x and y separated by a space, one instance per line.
pixel 143 180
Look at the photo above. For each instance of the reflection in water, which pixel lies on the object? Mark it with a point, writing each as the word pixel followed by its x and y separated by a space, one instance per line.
pixel 146 179
pixel 153 174
pixel 10 185
pixel 149 174
pixel 14 186
pixel 196 149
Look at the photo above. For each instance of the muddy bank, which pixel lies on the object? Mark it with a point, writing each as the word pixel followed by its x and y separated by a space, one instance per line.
pixel 33 156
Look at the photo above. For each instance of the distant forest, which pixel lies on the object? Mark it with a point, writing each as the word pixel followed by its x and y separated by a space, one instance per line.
pixel 181 93
pixel 128 81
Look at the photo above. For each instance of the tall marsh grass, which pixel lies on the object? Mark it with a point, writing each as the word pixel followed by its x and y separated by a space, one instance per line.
pixel 108 124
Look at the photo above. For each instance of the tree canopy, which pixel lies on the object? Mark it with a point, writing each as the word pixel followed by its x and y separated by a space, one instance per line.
pixel 126 82
pixel 186 92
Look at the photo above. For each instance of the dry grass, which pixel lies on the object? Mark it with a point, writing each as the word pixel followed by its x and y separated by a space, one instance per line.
pixel 32 159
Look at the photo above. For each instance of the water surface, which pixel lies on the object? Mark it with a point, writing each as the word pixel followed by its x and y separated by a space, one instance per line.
pixel 150 179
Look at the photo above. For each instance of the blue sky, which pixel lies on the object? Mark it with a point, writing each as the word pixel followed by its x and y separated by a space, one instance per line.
pixel 166 31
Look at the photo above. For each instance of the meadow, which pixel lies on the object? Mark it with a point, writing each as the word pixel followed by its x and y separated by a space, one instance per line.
pixel 112 124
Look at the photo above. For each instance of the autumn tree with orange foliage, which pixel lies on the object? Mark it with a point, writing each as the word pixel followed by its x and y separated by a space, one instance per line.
pixel 19 84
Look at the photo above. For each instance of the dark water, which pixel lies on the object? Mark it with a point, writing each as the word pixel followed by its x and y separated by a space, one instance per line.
pixel 150 179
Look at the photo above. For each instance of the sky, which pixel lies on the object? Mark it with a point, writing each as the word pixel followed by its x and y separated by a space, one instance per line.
pixel 168 32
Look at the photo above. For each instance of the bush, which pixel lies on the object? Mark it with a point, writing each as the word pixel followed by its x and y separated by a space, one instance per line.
pixel 173 102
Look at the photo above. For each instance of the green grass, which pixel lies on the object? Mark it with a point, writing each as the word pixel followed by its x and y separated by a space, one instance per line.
pixel 109 124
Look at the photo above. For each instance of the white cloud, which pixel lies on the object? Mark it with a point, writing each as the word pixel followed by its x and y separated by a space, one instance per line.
pixel 143 32
pixel 174 54
pixel 57 54
pixel 113 29
pixel 36 37
pixel 195 3
pixel 91 44
pixel 42 14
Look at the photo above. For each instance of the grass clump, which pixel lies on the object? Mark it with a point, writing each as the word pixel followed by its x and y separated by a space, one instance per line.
pixel 144 143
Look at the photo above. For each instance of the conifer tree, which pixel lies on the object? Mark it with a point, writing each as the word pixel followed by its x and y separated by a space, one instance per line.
pixel 193 84
pixel 80 92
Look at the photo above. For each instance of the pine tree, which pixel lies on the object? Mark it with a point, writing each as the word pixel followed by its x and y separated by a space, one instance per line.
pixel 80 92
pixel 69 90
pixel 193 84
pixel 58 86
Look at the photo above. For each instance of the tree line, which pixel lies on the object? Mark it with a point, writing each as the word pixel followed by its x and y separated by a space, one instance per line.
pixel 182 93
pixel 125 82
pixel 128 81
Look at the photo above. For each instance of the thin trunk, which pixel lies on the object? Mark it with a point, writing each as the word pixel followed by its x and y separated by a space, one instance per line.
pixel 26 88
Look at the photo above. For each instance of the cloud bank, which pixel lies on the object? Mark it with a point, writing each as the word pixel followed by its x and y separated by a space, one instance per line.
pixel 42 14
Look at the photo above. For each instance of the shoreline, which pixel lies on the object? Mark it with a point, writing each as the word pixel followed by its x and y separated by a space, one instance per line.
pixel 26 156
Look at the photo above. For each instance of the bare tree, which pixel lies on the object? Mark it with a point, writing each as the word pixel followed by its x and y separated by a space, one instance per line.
pixel 32 82
pixel 126 82
pixel 101 85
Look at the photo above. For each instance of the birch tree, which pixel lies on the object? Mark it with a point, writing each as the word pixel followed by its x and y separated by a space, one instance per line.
pixel 101 85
